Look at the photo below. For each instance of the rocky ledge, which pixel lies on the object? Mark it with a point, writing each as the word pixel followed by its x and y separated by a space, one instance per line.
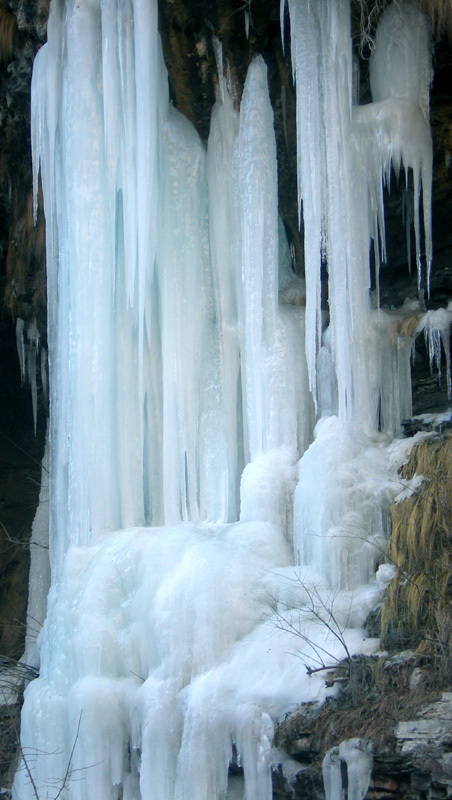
pixel 401 718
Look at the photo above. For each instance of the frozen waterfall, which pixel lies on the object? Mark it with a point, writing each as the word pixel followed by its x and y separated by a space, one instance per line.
pixel 220 463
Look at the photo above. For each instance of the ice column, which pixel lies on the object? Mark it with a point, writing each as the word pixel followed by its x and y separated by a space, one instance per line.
pixel 356 755
pixel 328 199
pixel 225 253
pixel 267 405
pixel 136 391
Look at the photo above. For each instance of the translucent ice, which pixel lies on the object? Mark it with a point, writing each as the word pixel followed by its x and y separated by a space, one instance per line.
pixel 356 755
pixel 345 156
pixel 436 326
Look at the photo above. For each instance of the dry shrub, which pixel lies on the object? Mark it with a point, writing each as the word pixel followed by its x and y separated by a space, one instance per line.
pixel 9 750
pixel 421 549
pixel 370 11
pixel 440 13
pixel 407 324
pixel 377 697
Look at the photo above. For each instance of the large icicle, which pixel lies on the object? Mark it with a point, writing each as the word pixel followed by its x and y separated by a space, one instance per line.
pixel 263 364
pixel 333 222
pixel 225 251
pixel 306 41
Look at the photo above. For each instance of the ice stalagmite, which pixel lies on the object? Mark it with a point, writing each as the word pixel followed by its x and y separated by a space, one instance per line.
pixel 356 756
pixel 187 568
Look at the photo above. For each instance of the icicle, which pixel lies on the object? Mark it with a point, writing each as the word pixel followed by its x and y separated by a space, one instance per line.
pixel 338 224
pixel 357 754
pixel 259 221
pixel 332 778
pixel 305 35
pixel 27 359
pixel 326 376
pixel 20 344
pixel 247 23
pixel 433 345
pixel 218 51
pixel 282 9
pixel 39 579
pixel 33 351
pixel 436 326
pixel 223 217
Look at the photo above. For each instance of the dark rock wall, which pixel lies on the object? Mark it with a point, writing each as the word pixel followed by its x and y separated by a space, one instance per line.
pixel 187 30
pixel 22 294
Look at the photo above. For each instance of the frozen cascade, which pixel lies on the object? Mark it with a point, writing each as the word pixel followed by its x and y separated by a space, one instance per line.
pixel 182 410
pixel 345 155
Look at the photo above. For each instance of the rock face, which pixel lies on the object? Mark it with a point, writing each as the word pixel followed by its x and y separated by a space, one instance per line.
pixel 430 730
pixel 22 293
pixel 22 31
pixel 426 743
pixel 415 761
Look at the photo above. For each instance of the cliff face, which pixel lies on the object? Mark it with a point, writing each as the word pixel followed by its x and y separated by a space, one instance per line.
pixel 22 294
pixel 244 28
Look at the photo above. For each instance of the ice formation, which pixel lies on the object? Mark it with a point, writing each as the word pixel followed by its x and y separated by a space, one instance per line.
pixel 356 755
pixel 29 357
pixel 436 326
pixel 345 155
pixel 204 530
